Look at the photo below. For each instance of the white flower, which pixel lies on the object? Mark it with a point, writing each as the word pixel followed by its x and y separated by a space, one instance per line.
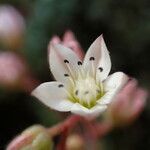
pixel 84 88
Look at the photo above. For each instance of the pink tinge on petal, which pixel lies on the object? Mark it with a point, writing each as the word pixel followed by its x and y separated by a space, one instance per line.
pixel 129 89
pixel 55 40
pixel 139 103
pixel 128 104
pixel 69 41
pixel 76 48
pixel 125 95
pixel 69 36
pixel 123 99
pixel 19 142
pixel 117 105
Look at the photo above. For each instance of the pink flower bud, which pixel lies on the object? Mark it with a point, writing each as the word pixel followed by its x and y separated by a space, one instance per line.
pixel 75 142
pixel 70 41
pixel 14 72
pixel 128 105
pixel 12 26
pixel 34 137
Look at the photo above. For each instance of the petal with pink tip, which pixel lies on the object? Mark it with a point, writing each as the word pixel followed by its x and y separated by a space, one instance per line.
pixel 83 111
pixel 53 95
pixel 55 40
pixel 112 86
pixel 63 62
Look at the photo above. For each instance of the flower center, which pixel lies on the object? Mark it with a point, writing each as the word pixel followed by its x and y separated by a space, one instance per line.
pixel 86 92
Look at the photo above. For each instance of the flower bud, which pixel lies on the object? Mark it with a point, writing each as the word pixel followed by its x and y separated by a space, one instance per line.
pixel 55 40
pixel 127 106
pixel 14 72
pixel 12 26
pixel 75 142
pixel 34 137
pixel 70 41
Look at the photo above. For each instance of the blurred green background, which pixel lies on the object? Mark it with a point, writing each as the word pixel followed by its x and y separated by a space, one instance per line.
pixel 126 29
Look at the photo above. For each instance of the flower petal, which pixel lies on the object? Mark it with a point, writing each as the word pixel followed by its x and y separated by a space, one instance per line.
pixel 112 86
pixel 83 111
pixel 104 64
pixel 96 57
pixel 53 94
pixel 63 62
pixel 107 98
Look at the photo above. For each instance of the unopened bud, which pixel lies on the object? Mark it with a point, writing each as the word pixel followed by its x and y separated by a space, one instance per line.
pixel 14 72
pixel 33 138
pixel 75 142
pixel 70 41
pixel 12 26
pixel 127 106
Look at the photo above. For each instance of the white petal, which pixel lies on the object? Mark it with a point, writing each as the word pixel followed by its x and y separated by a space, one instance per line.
pixel 104 64
pixel 112 86
pixel 83 111
pixel 107 98
pixel 99 52
pixel 53 96
pixel 57 55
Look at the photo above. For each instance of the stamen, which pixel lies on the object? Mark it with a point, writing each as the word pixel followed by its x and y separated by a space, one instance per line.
pixel 93 69
pixel 60 85
pixel 69 95
pixel 101 69
pixel 86 92
pixel 88 103
pixel 92 58
pixel 76 92
pixel 70 70
pixel 79 63
pixel 101 89
pixel 71 81
pixel 66 75
pixel 80 69
pixel 66 61
pixel 98 91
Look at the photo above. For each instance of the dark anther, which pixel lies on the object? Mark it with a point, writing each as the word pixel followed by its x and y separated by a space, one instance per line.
pixel 101 69
pixel 98 91
pixel 86 92
pixel 79 63
pixel 92 58
pixel 66 75
pixel 66 61
pixel 76 92
pixel 60 85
